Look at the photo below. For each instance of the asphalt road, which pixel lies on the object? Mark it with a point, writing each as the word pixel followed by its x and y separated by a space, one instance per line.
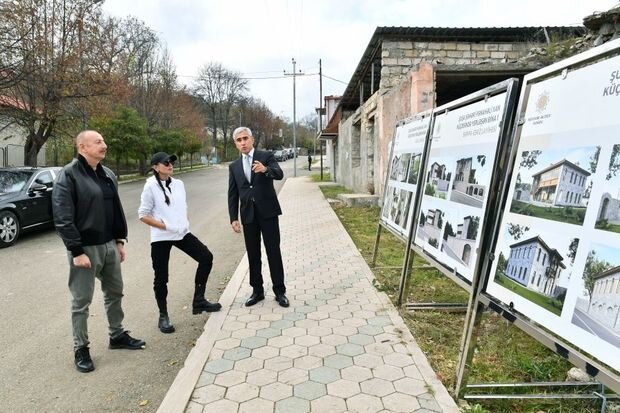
pixel 36 350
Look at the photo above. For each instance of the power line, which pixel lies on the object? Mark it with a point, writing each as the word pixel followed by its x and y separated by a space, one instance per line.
pixel 335 80
pixel 255 78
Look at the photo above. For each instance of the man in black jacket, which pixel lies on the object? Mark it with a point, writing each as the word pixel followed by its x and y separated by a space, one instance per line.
pixel 89 218
pixel 250 183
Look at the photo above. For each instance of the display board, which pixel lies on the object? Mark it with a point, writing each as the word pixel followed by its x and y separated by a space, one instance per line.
pixel 457 178
pixel 557 256
pixel 404 173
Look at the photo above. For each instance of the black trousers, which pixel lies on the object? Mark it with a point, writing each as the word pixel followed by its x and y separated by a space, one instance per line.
pixel 269 229
pixel 160 255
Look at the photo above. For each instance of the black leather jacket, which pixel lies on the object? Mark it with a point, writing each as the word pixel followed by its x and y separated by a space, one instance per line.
pixel 78 206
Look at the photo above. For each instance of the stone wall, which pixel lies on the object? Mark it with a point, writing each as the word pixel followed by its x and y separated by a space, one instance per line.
pixel 356 161
pixel 399 57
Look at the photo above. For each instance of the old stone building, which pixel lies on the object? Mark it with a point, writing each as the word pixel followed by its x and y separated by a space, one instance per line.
pixel 406 70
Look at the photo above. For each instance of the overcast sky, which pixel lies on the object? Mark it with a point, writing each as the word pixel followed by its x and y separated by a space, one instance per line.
pixel 258 38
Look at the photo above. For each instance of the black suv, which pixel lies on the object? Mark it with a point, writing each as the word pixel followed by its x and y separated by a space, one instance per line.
pixel 25 200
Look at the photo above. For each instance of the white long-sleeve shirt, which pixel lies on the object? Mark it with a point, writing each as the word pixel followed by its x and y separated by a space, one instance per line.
pixel 174 216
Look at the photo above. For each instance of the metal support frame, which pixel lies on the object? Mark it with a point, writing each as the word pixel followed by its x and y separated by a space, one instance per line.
pixel 606 378
pixel 592 391
pixel 497 186
pixel 506 86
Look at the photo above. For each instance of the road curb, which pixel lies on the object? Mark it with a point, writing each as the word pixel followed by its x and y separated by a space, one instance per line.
pixel 182 387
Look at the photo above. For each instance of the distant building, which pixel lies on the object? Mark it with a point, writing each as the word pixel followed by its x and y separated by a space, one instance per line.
pixel 535 265
pixel 460 245
pixel 430 227
pixel 465 179
pixel 560 184
pixel 13 137
pixel 609 208
pixel 605 300
pixel 407 70
pixel 439 176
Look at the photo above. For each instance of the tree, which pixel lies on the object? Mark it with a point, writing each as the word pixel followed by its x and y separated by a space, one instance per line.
pixel 219 89
pixel 529 159
pixel 439 218
pixel 448 231
pixel 572 250
pixel 593 162
pixel 593 267
pixel 481 159
pixel 472 230
pixel 57 46
pixel 501 262
pixel 126 135
pixel 614 162
pixel 516 231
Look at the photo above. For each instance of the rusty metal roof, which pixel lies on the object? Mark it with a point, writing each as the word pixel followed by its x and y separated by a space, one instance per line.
pixel 362 74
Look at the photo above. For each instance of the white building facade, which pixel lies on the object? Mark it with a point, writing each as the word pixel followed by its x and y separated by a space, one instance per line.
pixel 533 264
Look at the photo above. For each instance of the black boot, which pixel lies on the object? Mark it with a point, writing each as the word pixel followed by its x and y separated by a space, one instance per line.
pixel 83 362
pixel 200 304
pixel 164 324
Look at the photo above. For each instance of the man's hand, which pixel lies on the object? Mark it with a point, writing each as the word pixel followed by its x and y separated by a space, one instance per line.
pixel 236 226
pixel 121 250
pixel 82 261
pixel 258 168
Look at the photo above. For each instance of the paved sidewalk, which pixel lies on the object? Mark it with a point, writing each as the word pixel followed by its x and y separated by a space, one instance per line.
pixel 340 347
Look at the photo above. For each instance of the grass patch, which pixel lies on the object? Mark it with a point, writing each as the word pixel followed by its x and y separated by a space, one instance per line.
pixel 504 353
pixel 605 226
pixel 316 177
pixel 548 303
pixel 569 215
pixel 332 191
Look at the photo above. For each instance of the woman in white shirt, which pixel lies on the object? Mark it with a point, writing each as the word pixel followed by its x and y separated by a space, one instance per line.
pixel 163 207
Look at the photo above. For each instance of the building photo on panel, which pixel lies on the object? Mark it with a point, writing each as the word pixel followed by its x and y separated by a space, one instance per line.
pixel 608 216
pixel 535 266
pixel 555 184
pixel 400 165
pixel 597 309
pixel 414 168
pixel 438 177
pixel 459 239
pixel 430 228
pixel 471 178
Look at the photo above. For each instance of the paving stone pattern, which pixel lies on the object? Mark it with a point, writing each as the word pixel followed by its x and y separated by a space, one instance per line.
pixel 335 349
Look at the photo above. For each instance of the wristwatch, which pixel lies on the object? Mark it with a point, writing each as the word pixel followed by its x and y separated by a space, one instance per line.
pixel 120 241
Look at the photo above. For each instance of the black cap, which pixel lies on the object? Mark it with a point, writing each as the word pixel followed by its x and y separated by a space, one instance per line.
pixel 161 157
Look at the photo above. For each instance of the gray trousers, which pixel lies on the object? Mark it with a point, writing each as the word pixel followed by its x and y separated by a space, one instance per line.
pixel 105 265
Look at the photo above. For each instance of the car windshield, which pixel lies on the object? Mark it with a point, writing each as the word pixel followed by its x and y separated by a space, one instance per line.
pixel 13 181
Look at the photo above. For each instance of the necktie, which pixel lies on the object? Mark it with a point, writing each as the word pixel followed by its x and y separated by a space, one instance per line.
pixel 247 167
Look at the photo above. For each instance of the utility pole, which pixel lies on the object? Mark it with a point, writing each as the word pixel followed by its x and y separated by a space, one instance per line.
pixel 294 118
pixel 321 110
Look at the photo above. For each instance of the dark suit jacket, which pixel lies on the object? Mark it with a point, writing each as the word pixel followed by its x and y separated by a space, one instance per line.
pixel 259 192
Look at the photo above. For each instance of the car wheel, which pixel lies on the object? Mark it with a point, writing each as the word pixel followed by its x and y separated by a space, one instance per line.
pixel 9 228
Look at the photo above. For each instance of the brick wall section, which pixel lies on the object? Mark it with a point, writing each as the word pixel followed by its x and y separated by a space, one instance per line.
pixel 399 57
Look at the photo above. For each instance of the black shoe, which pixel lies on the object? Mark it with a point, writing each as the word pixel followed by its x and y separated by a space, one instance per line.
pixel 282 300
pixel 164 324
pixel 125 341
pixel 254 298
pixel 206 306
pixel 83 362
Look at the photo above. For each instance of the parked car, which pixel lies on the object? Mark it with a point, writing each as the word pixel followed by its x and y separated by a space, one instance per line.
pixel 279 156
pixel 25 201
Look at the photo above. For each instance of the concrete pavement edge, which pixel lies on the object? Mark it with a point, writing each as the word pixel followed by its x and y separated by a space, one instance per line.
pixel 443 398
pixel 183 386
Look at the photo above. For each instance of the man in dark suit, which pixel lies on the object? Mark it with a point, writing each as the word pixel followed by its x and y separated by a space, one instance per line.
pixel 250 182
